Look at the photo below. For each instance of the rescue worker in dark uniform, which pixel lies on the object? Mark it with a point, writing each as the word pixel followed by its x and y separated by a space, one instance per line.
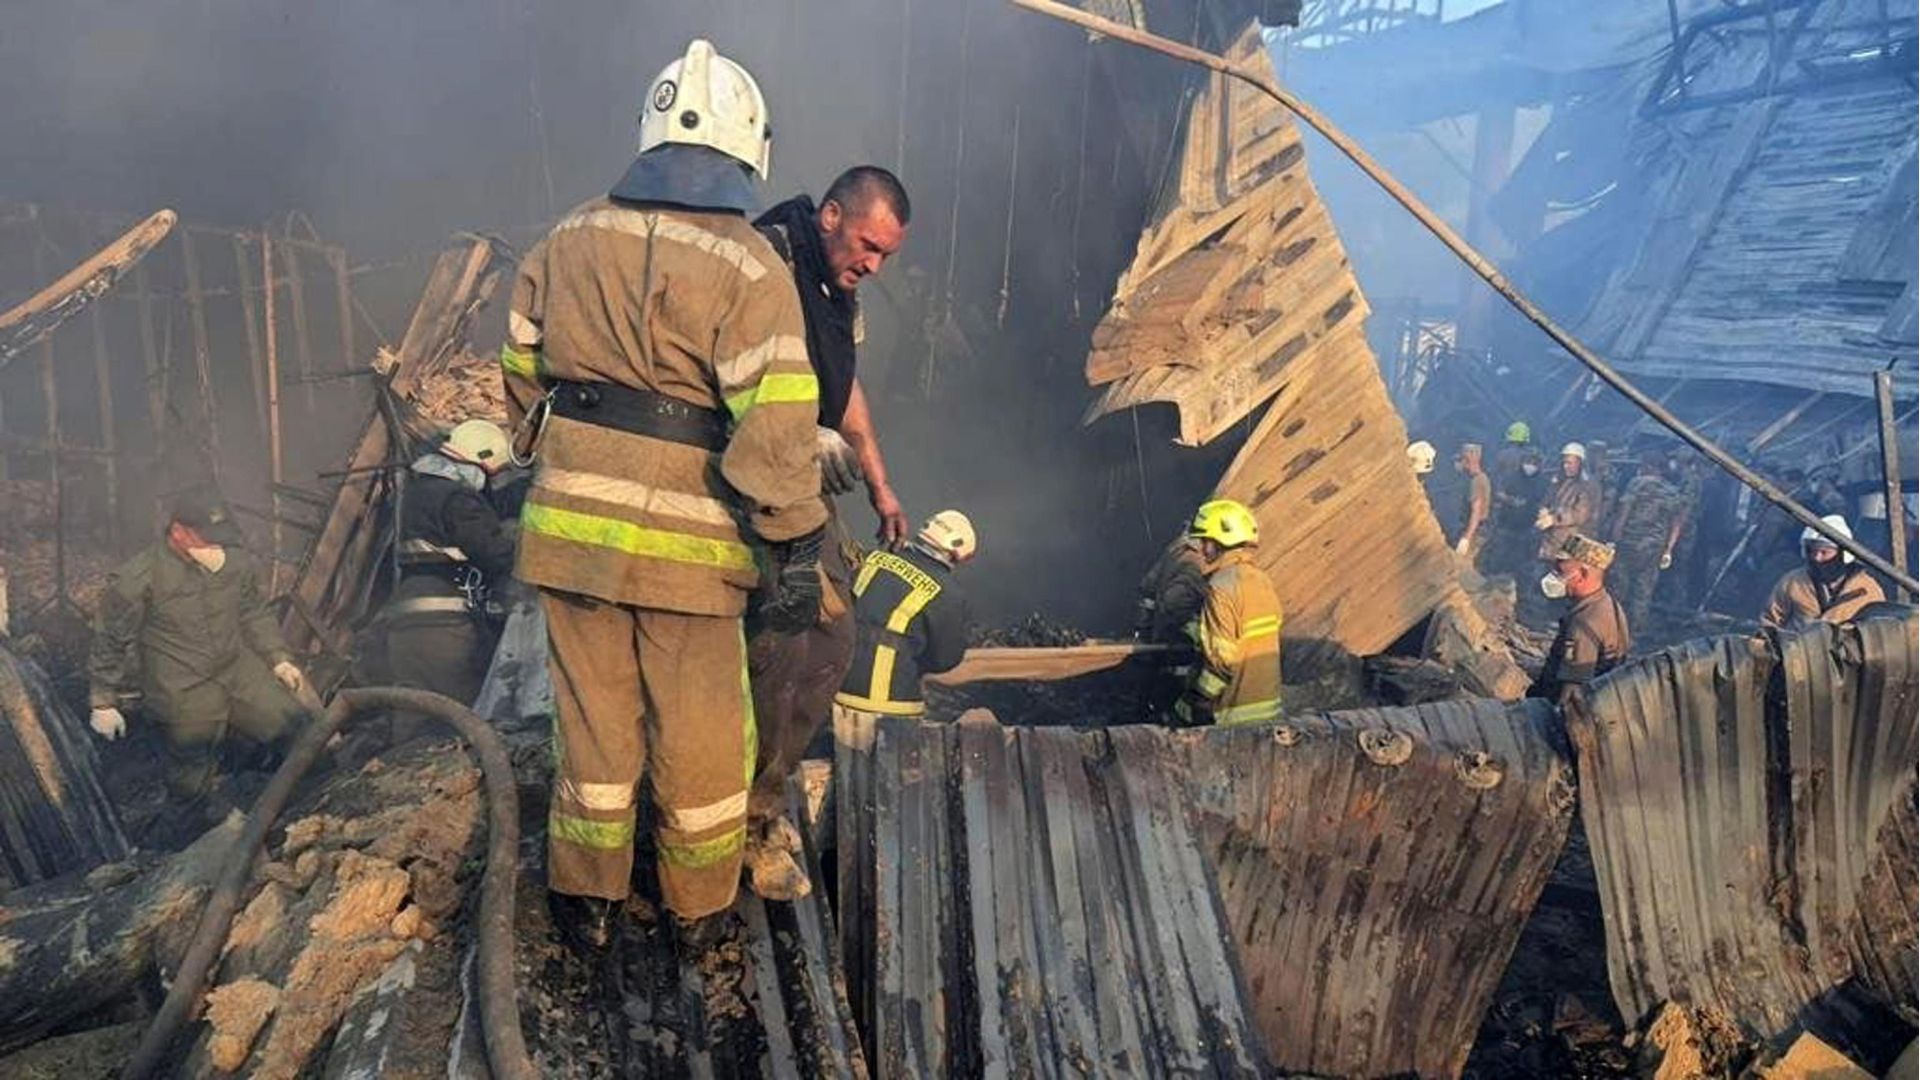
pixel 1519 486
pixel 1592 637
pixel 454 549
pixel 909 621
pixel 1645 527
pixel 184 630
pixel 830 249
pixel 1171 594
pixel 1169 599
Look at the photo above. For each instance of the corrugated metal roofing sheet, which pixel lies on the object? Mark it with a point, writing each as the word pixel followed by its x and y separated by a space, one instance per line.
pixel 1032 902
pixel 1357 889
pixel 1750 808
pixel 1044 901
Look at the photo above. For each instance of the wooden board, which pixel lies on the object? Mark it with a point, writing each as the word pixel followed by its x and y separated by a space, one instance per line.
pixel 30 321
pixel 1346 532
pixel 331 586
pixel 1240 277
pixel 1041 664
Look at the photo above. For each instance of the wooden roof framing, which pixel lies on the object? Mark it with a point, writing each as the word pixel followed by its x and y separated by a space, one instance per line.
pixel 1239 293
pixel 1776 246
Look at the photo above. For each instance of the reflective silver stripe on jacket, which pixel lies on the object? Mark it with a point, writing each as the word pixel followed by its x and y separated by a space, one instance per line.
pixel 423 605
pixel 422 547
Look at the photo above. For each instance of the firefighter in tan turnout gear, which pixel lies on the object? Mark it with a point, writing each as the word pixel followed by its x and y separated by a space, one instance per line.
pixel 657 342
pixel 1237 678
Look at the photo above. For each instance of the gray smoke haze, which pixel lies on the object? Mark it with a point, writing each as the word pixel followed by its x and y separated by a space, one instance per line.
pixel 393 126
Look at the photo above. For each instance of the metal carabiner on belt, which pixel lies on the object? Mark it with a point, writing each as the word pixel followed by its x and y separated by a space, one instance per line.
pixel 536 419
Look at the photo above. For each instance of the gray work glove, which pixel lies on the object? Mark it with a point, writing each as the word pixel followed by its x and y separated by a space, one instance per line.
pixel 791 602
pixel 839 465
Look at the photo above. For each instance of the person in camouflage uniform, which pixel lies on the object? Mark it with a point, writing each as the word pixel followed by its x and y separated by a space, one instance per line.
pixel 1645 526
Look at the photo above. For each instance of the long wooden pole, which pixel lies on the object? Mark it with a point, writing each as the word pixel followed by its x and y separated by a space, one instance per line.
pixel 343 302
pixel 256 363
pixel 1262 81
pixel 202 357
pixel 273 409
pixel 302 340
pixel 103 380
pixel 50 400
pixel 1890 472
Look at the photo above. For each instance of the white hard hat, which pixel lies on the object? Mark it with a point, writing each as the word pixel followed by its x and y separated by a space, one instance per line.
pixel 1835 522
pixel 951 532
pixel 1574 449
pixel 481 442
pixel 1421 454
pixel 705 99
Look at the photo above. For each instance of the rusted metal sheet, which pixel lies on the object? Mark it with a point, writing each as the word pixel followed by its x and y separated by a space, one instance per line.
pixel 1750 807
pixel 1032 902
pixel 1137 901
pixel 1376 868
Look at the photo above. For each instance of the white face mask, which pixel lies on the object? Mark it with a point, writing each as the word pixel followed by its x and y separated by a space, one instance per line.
pixel 1529 468
pixel 1553 585
pixel 211 559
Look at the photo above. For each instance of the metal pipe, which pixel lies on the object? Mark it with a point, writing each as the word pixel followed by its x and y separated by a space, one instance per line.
pixel 506 1049
pixel 1489 273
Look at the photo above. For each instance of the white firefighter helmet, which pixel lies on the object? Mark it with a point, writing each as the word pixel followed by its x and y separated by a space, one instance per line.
pixel 481 442
pixel 1574 449
pixel 705 99
pixel 1809 536
pixel 1422 455
pixel 951 533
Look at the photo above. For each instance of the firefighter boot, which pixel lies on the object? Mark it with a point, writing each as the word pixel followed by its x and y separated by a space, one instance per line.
pixel 586 923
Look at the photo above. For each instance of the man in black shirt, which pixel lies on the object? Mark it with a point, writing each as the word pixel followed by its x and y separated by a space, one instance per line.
pixel 831 249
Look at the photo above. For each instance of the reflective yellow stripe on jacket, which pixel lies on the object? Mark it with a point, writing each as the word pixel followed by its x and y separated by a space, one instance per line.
pixel 632 539
pixel 921 590
pixel 520 363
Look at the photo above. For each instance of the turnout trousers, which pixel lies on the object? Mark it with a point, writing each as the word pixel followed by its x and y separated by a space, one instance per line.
pixel 640 692
pixel 794 678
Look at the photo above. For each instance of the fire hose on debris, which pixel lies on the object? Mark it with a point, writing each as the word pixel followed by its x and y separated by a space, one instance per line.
pixel 506 1049
pixel 1480 265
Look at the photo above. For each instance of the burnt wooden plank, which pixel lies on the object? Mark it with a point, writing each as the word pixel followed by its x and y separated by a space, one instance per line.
pixel 338 558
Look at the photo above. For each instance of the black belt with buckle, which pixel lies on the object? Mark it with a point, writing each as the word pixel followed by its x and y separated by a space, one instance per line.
pixel 641 412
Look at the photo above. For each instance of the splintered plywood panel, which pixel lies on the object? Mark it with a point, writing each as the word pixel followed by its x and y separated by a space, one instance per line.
pixel 1346 531
pixel 1239 278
